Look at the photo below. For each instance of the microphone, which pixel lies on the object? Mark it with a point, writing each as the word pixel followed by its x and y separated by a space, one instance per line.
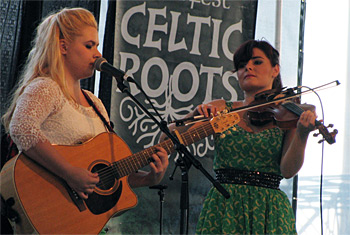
pixel 102 65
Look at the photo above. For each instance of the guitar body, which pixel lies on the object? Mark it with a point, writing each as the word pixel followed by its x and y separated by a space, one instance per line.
pixel 46 205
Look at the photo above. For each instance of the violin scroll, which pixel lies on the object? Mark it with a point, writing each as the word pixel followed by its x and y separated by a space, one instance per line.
pixel 327 136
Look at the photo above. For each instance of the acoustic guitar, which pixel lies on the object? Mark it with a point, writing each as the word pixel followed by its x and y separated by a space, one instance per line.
pixel 45 204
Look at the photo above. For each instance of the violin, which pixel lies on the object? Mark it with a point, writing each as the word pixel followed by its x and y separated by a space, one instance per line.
pixel 284 115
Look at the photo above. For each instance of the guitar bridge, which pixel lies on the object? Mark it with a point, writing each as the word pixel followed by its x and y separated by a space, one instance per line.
pixel 79 202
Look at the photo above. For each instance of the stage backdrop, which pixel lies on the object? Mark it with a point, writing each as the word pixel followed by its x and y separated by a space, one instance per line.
pixel 180 52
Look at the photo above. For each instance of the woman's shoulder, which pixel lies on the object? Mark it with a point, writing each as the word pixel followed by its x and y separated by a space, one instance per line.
pixel 44 89
pixel 44 84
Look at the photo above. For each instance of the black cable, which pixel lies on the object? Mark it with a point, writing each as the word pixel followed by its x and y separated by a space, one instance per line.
pixel 322 157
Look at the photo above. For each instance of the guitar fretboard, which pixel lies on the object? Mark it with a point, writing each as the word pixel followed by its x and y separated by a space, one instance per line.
pixel 136 161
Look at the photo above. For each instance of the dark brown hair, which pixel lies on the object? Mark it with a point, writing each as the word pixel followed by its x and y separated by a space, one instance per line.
pixel 245 51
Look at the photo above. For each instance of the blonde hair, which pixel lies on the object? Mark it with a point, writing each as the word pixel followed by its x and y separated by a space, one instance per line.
pixel 45 59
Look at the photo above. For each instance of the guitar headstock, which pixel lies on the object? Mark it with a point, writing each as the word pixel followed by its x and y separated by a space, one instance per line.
pixel 224 121
pixel 327 136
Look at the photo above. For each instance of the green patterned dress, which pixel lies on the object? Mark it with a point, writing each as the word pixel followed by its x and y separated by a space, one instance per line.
pixel 250 209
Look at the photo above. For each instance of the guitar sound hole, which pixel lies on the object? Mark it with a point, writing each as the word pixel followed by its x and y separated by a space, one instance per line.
pixel 107 179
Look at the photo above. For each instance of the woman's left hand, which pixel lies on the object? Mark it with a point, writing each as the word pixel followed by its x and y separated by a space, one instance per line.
pixel 306 123
pixel 155 175
pixel 158 166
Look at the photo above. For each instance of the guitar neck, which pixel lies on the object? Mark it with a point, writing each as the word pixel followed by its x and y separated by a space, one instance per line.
pixel 138 160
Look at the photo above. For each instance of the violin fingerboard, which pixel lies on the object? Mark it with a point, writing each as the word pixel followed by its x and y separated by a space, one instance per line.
pixel 293 108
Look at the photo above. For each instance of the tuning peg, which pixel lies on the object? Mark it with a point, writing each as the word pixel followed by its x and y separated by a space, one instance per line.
pixel 330 125
pixel 320 141
pixel 316 134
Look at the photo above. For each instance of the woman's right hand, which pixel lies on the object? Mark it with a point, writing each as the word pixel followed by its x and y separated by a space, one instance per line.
pixel 82 181
pixel 210 109
pixel 213 107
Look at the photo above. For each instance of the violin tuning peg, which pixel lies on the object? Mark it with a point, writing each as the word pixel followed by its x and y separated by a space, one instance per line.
pixel 316 134
pixel 320 141
pixel 330 125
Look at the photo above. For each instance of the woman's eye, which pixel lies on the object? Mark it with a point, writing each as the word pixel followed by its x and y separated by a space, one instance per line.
pixel 88 46
pixel 258 62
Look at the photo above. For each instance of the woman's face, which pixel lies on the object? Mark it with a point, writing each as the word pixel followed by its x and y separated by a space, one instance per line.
pixel 257 74
pixel 80 54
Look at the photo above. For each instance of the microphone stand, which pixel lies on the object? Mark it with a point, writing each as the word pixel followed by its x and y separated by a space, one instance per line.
pixel 161 194
pixel 186 157
pixel 184 195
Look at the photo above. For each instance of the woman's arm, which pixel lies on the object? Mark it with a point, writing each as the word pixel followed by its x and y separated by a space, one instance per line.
pixel 295 144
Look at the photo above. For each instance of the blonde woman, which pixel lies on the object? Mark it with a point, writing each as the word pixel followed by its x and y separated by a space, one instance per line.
pixel 49 106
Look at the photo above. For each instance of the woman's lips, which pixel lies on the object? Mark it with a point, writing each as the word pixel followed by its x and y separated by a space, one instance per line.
pixel 249 76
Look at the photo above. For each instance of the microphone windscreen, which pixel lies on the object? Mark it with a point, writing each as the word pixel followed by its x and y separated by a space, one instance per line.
pixel 98 63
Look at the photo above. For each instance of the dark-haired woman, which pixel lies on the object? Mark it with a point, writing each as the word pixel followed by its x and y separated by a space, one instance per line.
pixel 251 160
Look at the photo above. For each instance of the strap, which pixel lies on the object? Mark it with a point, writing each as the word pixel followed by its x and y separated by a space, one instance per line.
pixel 109 127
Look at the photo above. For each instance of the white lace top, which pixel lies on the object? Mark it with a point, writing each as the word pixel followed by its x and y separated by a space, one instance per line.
pixel 43 113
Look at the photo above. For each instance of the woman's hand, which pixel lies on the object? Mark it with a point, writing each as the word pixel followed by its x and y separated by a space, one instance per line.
pixel 210 109
pixel 82 181
pixel 158 168
pixel 306 123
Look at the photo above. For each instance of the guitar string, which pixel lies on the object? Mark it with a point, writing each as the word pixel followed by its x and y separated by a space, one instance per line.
pixel 125 166
pixel 107 175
